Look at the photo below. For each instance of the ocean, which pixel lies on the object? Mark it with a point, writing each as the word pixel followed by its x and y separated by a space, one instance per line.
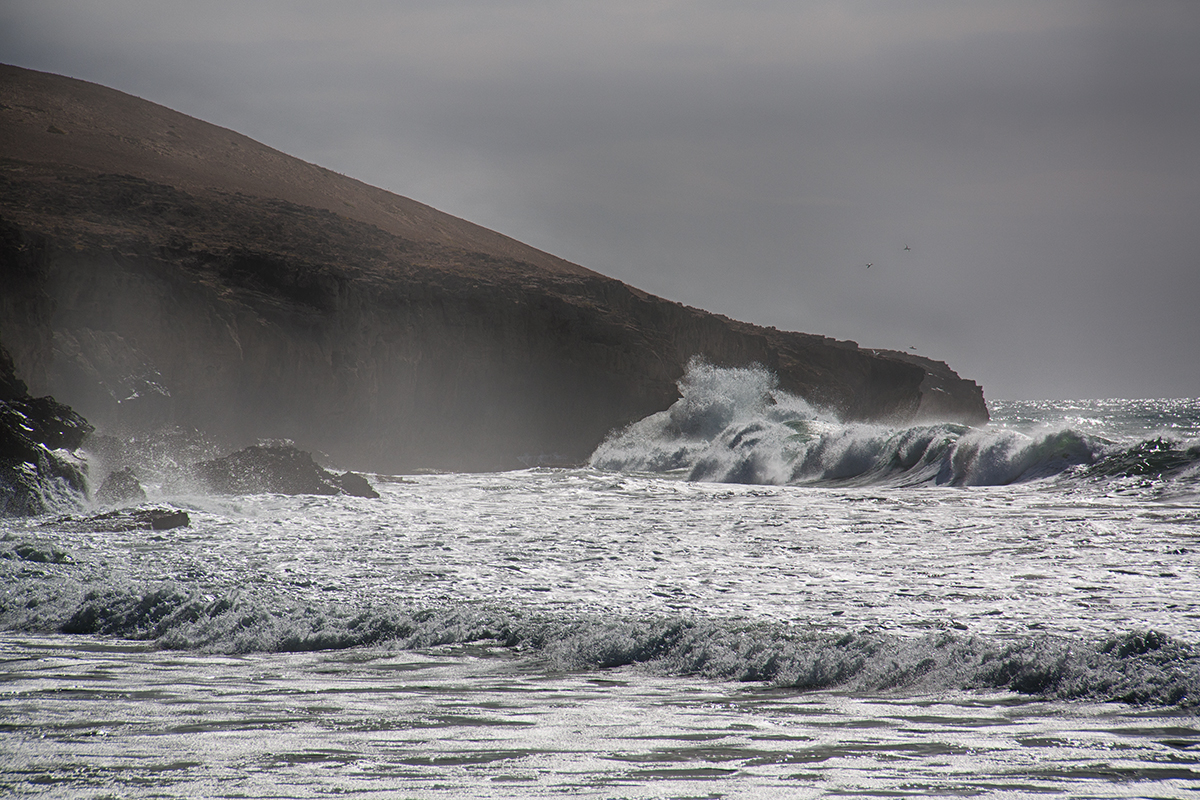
pixel 742 596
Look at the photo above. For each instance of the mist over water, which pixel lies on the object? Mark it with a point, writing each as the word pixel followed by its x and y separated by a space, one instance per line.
pixel 740 596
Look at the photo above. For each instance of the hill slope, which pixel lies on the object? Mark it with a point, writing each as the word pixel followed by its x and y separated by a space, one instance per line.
pixel 159 270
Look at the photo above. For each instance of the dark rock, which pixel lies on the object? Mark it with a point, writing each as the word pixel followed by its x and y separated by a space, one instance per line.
pixel 165 519
pixel 279 469
pixel 354 484
pixel 34 432
pixel 121 487
pixel 126 519
pixel 11 387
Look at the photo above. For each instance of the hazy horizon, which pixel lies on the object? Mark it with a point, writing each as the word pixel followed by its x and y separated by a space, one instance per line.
pixel 1041 162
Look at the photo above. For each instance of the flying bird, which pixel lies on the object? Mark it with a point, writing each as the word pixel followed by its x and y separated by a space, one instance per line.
pixel 868 266
pixel 906 247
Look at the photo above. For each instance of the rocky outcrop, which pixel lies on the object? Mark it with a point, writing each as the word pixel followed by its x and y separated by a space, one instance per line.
pixel 121 488
pixel 125 519
pixel 157 270
pixel 37 439
pixel 279 469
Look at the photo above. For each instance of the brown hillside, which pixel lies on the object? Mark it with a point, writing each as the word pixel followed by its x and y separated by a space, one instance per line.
pixel 75 124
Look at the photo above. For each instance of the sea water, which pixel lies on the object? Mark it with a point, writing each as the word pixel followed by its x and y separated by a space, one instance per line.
pixel 742 596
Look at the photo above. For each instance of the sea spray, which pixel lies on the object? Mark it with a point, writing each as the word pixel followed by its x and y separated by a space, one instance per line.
pixel 730 424
pixel 734 425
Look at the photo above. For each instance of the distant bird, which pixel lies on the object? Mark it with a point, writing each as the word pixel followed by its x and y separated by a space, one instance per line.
pixel 868 266
pixel 912 347
pixel 906 247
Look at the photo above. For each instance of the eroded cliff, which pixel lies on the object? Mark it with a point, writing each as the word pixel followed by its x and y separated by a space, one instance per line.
pixel 157 270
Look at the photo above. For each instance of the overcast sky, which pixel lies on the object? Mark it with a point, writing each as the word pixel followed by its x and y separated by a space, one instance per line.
pixel 1041 160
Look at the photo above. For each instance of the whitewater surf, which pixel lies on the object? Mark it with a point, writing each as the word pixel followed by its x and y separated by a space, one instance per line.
pixel 740 596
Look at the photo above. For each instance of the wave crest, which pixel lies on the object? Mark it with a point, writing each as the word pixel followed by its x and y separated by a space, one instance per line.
pixel 1140 667
pixel 734 425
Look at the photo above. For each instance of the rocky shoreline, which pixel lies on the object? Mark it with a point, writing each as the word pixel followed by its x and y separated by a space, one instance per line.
pixel 43 469
pixel 38 440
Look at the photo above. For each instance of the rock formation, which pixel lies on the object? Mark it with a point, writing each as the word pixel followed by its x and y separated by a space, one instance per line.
pixel 281 469
pixel 124 519
pixel 159 270
pixel 121 488
pixel 38 437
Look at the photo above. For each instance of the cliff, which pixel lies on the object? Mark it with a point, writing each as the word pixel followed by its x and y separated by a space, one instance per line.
pixel 158 270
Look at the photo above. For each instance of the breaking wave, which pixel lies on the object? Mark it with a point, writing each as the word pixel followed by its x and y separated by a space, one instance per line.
pixel 734 425
pixel 1142 667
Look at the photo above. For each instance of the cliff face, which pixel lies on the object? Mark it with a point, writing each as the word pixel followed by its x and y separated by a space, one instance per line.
pixel 158 270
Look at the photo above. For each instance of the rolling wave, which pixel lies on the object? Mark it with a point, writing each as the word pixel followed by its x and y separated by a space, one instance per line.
pixel 1140 667
pixel 737 426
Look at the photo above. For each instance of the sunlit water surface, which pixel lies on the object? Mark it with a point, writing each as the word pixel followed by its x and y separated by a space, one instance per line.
pixel 592 633
pixel 95 719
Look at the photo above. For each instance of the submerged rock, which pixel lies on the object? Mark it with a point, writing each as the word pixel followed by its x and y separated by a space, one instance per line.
pixel 279 469
pixel 37 552
pixel 354 484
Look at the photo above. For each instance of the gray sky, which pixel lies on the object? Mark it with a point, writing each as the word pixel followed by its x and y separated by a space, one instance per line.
pixel 1042 160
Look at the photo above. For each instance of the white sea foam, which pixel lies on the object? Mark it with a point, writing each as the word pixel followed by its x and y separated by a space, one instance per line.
pixel 588 569
pixel 860 576
pixel 737 426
